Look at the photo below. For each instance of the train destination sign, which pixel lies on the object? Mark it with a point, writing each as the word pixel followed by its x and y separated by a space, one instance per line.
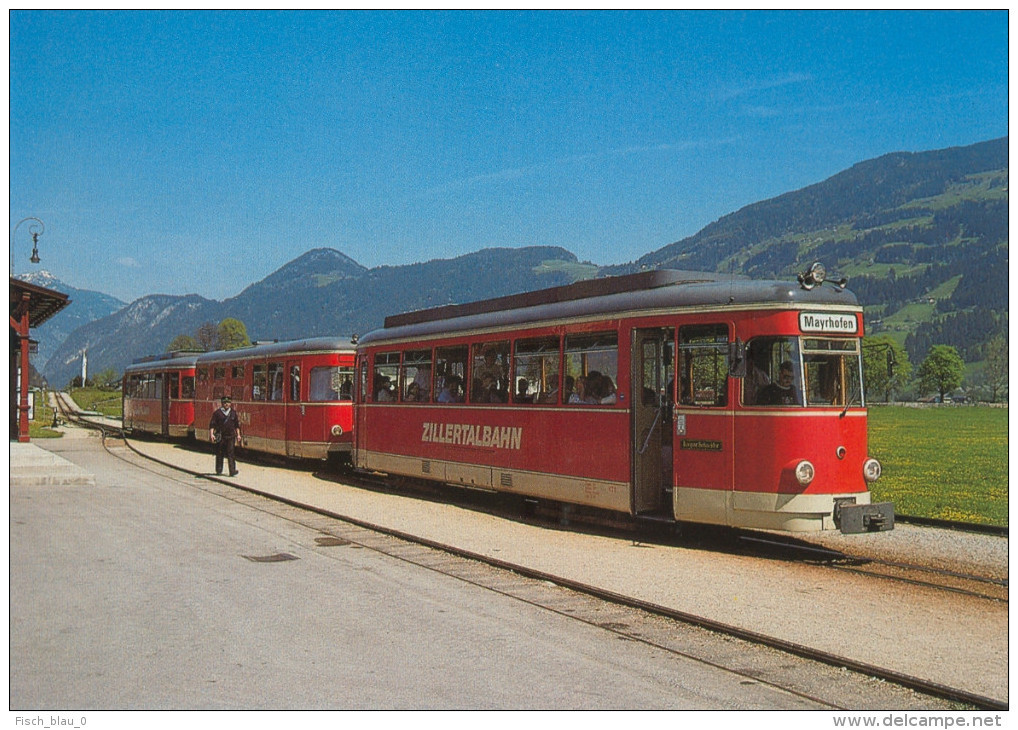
pixel 845 324
pixel 464 434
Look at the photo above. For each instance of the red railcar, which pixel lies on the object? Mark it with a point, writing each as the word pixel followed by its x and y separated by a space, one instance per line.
pixel 659 394
pixel 158 395
pixel 293 398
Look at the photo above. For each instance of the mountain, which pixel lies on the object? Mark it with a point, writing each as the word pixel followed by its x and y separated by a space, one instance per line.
pixel 923 238
pixel 322 292
pixel 85 306
pixel 144 327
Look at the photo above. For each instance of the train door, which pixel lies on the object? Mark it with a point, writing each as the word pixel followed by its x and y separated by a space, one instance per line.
pixel 651 408
pixel 294 408
pixel 704 424
pixel 164 402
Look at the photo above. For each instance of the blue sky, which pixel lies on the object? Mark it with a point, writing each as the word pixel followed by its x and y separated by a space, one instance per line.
pixel 182 152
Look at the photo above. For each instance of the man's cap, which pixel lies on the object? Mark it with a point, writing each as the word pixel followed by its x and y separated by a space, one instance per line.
pixel 226 399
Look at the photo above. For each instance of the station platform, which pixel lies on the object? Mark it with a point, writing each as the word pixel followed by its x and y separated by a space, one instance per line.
pixel 31 465
pixel 956 640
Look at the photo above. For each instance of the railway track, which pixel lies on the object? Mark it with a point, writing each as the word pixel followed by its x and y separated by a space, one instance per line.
pixel 453 555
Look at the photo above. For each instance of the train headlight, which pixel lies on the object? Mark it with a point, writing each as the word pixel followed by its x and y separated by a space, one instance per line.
pixel 871 470
pixel 337 430
pixel 804 473
pixel 814 276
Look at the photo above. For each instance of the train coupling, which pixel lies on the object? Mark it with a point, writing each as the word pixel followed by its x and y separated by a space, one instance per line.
pixel 855 518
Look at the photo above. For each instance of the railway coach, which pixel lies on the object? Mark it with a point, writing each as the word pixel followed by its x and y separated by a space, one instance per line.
pixel 158 395
pixel 294 398
pixel 663 395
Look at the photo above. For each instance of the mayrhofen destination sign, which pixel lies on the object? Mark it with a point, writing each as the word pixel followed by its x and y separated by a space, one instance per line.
pixel 846 324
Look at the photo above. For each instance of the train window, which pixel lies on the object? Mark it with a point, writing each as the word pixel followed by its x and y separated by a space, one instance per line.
pixel 203 374
pixel 187 386
pixel 591 368
pixel 773 373
pixel 489 374
pixel 832 372
pixel 218 373
pixel 174 379
pixel 415 377
pixel 536 370
pixel 276 381
pixel 386 376
pixel 294 383
pixel 703 365
pixel 259 383
pixel 330 383
pixel 237 372
pixel 450 374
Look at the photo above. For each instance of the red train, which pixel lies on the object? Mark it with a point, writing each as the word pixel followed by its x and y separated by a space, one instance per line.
pixel 682 395
pixel 293 398
pixel 158 395
pixel 667 395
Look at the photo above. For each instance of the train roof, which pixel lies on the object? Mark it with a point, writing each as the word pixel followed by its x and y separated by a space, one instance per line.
pixel 612 296
pixel 275 349
pixel 166 361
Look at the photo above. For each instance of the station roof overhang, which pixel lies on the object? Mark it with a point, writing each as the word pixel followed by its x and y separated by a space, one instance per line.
pixel 42 303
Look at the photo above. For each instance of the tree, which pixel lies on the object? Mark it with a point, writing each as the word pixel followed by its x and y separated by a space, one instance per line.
pixel 183 343
pixel 108 378
pixel 995 371
pixel 232 334
pixel 941 370
pixel 886 368
pixel 208 337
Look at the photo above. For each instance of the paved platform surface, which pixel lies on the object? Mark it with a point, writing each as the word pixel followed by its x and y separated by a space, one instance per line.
pixel 32 465
pixel 953 639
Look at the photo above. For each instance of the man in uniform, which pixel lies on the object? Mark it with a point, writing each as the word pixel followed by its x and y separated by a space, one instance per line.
pixel 224 432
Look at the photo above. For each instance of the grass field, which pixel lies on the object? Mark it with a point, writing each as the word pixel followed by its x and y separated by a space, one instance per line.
pixel 106 402
pixel 949 463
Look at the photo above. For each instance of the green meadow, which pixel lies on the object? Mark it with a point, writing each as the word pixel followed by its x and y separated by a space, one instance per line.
pixel 945 462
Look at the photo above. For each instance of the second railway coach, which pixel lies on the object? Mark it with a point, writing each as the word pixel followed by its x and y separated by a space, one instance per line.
pixel 158 395
pixel 684 395
pixel 294 398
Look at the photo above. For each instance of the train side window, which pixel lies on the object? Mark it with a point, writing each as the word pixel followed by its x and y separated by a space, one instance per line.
pixel 295 383
pixel 415 377
pixel 763 385
pixel 218 373
pixel 386 377
pixel 591 368
pixel 258 383
pixel 237 372
pixel 703 365
pixel 276 381
pixel 174 385
pixel 187 386
pixel 450 374
pixel 489 372
pixel 536 370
